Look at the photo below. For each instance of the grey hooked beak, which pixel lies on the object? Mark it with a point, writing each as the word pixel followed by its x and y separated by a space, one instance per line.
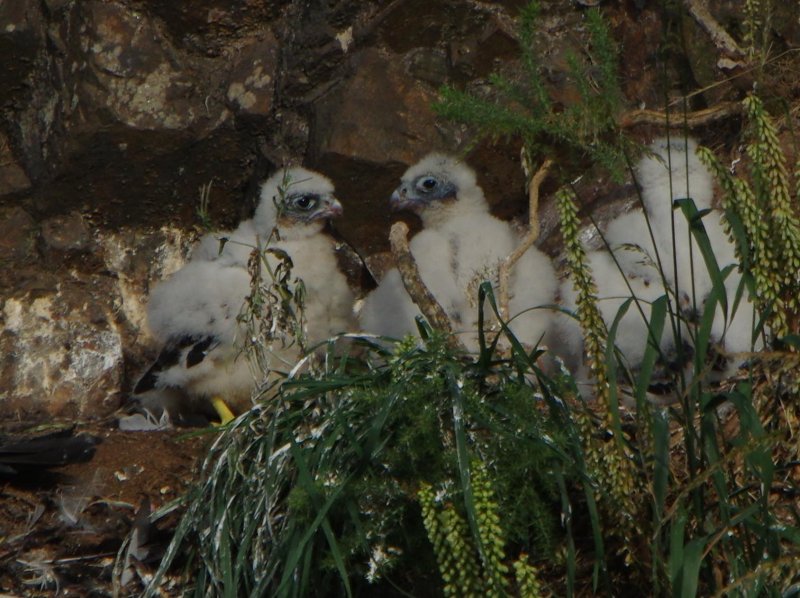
pixel 334 208
pixel 400 200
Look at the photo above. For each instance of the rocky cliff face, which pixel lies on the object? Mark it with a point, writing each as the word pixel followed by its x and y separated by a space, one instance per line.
pixel 115 113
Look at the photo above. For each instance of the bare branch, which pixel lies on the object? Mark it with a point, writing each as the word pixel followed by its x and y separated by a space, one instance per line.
pixel 419 293
pixel 719 36
pixel 690 119
pixel 504 272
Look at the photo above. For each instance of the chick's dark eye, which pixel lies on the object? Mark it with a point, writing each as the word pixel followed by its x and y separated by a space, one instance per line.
pixel 428 184
pixel 305 202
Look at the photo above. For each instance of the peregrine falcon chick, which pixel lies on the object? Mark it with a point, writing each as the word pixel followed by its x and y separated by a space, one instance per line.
pixel 195 313
pixel 460 246
pixel 657 255
pixel 674 171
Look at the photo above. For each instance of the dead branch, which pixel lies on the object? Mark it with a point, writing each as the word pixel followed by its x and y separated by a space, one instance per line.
pixel 721 39
pixel 504 272
pixel 419 293
pixel 690 119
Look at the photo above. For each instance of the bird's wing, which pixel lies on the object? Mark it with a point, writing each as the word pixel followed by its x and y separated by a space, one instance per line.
pixel 230 248
pixel 533 283
pixel 479 241
pixel 180 352
pixel 352 263
pixel 437 260
pixel 45 451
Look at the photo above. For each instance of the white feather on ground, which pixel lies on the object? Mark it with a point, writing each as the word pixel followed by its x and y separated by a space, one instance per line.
pixel 461 244
pixel 194 313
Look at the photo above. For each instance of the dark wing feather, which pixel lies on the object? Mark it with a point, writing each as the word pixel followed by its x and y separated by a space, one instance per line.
pixel 195 348
pixel 45 451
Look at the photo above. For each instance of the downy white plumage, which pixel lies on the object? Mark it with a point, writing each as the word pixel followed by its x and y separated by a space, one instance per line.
pixel 461 245
pixel 644 250
pixel 194 314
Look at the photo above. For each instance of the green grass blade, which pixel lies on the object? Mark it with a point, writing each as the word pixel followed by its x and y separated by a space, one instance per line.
pixel 692 562
pixel 676 548
pixel 462 452
pixel 695 219
pixel 661 461
pixel 652 352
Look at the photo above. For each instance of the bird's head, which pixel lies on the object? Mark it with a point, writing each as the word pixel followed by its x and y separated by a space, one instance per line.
pixel 296 200
pixel 434 183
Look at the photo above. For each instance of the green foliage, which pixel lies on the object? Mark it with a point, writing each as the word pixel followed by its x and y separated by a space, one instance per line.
pixel 473 566
pixel 608 463
pixel 273 314
pixel 370 474
pixel 762 205
pixel 522 106
pixel 681 499
pixel 708 463
pixel 317 487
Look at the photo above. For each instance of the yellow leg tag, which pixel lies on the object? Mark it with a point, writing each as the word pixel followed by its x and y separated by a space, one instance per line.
pixel 225 414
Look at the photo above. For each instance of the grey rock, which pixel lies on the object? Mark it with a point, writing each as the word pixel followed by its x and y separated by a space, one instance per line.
pixel 138 76
pixel 62 352
pixel 428 65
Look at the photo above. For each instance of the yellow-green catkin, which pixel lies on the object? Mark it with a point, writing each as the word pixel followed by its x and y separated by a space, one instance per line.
pixel 491 534
pixel 739 198
pixel 765 204
pixel 455 554
pixel 607 462
pixel 771 179
pixel 528 584
pixel 589 317
pixel 752 27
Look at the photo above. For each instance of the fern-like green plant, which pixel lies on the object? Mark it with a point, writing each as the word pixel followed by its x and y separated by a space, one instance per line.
pixel 521 105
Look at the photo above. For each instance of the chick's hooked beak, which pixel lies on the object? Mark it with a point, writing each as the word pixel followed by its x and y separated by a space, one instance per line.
pixel 400 199
pixel 332 207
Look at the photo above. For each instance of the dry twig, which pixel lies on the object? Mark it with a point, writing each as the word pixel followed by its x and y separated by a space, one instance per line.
pixel 504 272
pixel 690 119
pixel 719 36
pixel 416 289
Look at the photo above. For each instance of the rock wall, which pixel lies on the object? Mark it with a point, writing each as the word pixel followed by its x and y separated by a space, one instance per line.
pixel 116 112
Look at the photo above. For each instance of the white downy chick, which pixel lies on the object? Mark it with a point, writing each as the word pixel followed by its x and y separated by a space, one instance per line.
pixel 673 172
pixel 461 244
pixel 194 313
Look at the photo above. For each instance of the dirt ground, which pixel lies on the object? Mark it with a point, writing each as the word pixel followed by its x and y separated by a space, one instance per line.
pixel 60 530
